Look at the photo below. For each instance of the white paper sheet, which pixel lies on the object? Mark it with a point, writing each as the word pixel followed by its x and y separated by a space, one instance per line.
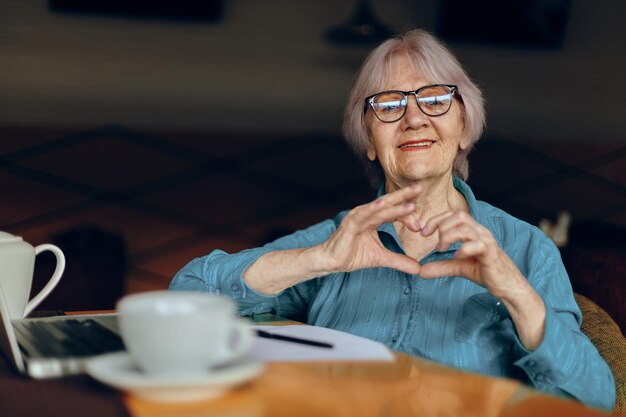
pixel 345 346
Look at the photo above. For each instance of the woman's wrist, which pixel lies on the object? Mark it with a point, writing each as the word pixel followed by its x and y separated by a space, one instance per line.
pixel 528 313
pixel 276 271
pixel 317 261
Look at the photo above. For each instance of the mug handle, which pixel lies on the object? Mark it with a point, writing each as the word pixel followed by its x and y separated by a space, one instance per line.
pixel 245 339
pixel 53 281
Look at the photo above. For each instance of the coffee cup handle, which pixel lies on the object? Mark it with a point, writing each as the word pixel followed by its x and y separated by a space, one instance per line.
pixel 52 282
pixel 244 340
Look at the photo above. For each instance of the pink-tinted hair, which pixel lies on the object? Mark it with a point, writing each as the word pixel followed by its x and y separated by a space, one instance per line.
pixel 437 64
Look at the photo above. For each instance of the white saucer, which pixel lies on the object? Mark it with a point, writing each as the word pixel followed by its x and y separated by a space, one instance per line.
pixel 119 371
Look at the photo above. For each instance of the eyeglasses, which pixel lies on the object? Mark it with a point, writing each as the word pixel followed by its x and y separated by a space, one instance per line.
pixel 433 100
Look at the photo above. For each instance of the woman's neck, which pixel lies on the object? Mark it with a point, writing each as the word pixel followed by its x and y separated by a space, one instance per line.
pixel 437 196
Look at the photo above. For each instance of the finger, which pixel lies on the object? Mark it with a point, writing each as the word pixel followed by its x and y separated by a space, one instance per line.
pixel 398 197
pixel 400 262
pixel 384 202
pixel 471 249
pixel 462 233
pixel 373 214
pixel 406 194
pixel 411 222
pixel 431 224
pixel 455 220
pixel 391 213
pixel 453 267
pixel 382 209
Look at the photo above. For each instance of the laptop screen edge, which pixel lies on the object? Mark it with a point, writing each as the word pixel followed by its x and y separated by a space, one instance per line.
pixel 8 341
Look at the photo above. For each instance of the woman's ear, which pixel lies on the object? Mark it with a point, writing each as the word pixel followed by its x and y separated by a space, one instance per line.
pixel 464 142
pixel 371 153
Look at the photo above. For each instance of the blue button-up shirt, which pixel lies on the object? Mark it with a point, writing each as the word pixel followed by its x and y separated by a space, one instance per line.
pixel 451 320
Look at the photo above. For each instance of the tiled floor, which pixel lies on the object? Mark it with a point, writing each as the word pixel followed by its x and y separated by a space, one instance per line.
pixel 175 196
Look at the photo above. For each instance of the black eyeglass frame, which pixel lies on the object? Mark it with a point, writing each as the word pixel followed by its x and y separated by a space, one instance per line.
pixel 369 101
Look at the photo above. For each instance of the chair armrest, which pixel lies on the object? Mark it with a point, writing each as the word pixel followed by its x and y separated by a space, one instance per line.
pixel 606 335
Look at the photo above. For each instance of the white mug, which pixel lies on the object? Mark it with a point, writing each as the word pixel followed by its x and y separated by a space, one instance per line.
pixel 176 333
pixel 17 264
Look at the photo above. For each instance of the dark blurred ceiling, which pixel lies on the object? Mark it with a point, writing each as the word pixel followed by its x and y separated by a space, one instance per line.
pixel 266 66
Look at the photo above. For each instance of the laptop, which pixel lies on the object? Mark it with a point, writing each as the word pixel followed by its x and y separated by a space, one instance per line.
pixel 56 346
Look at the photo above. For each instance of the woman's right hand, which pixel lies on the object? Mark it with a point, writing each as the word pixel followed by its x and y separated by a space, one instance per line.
pixel 356 245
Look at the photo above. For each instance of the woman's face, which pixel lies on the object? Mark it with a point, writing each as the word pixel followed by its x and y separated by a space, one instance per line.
pixel 440 137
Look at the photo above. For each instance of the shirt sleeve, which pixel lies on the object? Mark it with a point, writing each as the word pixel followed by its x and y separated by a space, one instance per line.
pixel 566 363
pixel 222 273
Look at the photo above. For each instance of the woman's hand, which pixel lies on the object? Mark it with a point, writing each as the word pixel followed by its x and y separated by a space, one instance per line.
pixel 355 243
pixel 481 260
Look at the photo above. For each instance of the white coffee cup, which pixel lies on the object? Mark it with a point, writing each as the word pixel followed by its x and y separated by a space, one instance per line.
pixel 17 264
pixel 177 333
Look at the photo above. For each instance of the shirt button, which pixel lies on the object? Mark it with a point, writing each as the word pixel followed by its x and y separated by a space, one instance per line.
pixel 235 287
pixel 217 291
pixel 407 291
pixel 531 364
pixel 540 377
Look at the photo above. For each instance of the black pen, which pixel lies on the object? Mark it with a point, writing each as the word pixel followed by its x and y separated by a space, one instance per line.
pixel 268 335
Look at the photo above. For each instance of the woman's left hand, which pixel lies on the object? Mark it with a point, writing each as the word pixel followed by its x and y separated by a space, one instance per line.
pixel 479 258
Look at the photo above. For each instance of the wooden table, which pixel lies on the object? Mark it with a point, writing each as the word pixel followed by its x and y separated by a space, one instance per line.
pixel 408 386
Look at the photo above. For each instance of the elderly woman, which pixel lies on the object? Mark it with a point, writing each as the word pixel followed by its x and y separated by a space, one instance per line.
pixel 425 268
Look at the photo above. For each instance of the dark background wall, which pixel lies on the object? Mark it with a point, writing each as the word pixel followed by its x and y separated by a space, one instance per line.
pixel 181 136
pixel 269 61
